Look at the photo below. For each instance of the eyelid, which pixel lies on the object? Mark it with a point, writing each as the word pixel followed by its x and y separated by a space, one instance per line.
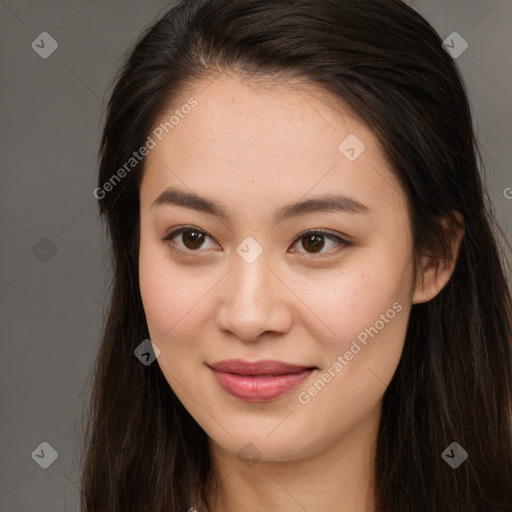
pixel 177 230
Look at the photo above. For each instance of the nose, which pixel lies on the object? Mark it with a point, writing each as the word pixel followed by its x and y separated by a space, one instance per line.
pixel 255 301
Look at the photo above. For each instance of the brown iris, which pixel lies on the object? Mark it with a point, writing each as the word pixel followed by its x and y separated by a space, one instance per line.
pixel 314 241
pixel 196 239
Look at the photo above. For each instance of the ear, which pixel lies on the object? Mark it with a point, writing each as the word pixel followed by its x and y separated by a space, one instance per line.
pixel 436 272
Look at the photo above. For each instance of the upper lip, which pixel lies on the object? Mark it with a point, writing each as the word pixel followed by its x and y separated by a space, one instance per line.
pixel 271 367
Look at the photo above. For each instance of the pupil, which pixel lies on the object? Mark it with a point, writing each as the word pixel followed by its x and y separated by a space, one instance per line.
pixel 197 240
pixel 317 243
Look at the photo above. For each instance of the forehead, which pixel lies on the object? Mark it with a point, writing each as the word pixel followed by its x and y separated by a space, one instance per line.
pixel 275 138
pixel 235 113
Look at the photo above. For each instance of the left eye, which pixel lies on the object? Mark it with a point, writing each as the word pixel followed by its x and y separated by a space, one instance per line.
pixel 314 240
pixel 193 239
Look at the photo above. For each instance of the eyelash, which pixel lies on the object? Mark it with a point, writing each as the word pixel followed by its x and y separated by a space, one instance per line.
pixel 181 229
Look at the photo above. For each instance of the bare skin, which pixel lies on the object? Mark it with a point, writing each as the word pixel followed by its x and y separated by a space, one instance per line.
pixel 256 149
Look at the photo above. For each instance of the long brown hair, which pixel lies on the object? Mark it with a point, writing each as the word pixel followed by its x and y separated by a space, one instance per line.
pixel 142 449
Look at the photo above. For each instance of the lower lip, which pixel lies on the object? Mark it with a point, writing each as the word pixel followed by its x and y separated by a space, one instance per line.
pixel 258 388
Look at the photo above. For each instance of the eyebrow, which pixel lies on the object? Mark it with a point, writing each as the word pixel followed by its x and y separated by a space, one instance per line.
pixel 326 203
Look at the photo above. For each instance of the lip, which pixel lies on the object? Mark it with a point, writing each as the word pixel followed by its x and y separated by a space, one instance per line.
pixel 259 381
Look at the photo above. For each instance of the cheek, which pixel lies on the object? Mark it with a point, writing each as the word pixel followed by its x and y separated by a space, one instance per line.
pixel 363 313
pixel 159 287
pixel 170 303
pixel 173 298
pixel 368 312
pixel 356 299
pixel 155 291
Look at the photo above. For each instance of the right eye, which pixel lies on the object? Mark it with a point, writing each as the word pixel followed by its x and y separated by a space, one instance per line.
pixel 192 238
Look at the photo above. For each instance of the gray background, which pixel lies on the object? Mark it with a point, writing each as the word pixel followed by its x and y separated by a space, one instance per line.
pixel 51 303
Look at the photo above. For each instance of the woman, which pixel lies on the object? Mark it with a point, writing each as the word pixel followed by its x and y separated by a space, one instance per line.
pixel 309 310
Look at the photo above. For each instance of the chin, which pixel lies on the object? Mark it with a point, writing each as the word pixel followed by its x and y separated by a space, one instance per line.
pixel 257 442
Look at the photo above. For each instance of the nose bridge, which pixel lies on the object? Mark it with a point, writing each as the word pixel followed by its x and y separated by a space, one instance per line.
pixel 252 300
pixel 251 272
pixel 251 283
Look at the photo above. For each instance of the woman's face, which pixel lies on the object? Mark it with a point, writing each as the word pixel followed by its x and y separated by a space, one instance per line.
pixel 248 282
